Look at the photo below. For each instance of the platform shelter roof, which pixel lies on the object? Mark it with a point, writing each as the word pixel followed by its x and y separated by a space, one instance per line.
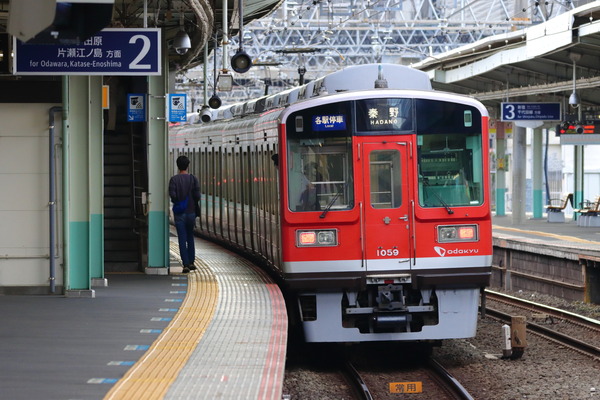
pixel 530 65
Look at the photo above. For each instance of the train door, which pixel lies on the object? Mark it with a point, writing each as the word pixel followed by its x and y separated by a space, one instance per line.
pixel 387 210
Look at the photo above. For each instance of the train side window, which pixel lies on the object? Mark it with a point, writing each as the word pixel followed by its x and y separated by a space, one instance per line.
pixel 385 175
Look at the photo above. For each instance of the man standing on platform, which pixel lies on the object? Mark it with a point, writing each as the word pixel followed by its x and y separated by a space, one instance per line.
pixel 184 191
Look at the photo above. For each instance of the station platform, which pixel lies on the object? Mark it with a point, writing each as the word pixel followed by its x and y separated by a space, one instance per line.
pixel 217 332
pixel 567 235
pixel 557 259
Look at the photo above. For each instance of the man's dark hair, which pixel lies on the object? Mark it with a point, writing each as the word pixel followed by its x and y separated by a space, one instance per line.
pixel 183 163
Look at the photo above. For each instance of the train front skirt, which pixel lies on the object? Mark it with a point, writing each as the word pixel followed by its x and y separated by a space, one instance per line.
pixel 457 318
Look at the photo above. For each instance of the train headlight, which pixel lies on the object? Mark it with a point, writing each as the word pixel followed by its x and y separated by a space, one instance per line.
pixel 316 238
pixel 457 233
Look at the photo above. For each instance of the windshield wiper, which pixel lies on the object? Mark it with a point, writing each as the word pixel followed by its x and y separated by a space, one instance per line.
pixel 438 197
pixel 337 195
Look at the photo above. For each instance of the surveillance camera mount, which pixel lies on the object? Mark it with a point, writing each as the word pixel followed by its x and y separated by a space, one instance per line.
pixel 241 61
pixel 574 98
pixel 215 102
pixel 182 42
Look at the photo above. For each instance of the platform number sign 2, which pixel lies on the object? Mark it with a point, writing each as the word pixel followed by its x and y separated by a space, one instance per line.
pixel 112 51
pixel 146 45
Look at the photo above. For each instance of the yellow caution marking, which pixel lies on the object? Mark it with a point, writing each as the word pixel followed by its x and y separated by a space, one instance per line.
pixel 538 233
pixel 155 372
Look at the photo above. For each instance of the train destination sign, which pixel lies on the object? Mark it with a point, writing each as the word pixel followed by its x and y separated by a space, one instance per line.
pixel 328 123
pixel 109 52
pixel 531 112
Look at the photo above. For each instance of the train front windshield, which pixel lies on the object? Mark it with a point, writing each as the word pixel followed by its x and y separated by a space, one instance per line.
pixel 320 159
pixel 449 146
pixel 450 155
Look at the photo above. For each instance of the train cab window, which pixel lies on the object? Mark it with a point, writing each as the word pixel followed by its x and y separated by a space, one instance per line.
pixel 319 159
pixel 385 179
pixel 450 154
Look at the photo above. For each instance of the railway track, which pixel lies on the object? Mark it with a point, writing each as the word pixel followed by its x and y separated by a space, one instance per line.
pixel 358 384
pixel 450 384
pixel 430 377
pixel 577 332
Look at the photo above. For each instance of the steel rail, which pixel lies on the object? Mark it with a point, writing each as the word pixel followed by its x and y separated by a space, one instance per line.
pixel 360 387
pixel 450 383
pixel 581 320
pixel 576 344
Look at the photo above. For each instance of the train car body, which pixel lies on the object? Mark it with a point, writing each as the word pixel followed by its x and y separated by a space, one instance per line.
pixel 372 204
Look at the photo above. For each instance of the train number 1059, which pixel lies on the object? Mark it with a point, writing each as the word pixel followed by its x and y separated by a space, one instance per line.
pixel 388 252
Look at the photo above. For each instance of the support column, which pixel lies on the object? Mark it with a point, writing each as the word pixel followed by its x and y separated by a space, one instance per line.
pixel 538 176
pixel 578 178
pixel 500 169
pixel 519 165
pixel 96 181
pixel 85 150
pixel 158 223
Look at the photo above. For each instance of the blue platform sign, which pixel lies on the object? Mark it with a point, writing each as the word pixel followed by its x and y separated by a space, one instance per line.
pixel 177 107
pixel 108 52
pixel 531 112
pixel 136 107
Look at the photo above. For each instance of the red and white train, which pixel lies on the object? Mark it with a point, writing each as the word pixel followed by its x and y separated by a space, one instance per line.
pixel 365 190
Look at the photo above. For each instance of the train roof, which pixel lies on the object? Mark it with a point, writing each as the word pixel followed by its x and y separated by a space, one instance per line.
pixel 354 78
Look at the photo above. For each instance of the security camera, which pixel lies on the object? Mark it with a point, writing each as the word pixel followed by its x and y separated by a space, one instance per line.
pixel 574 100
pixel 205 114
pixel 182 42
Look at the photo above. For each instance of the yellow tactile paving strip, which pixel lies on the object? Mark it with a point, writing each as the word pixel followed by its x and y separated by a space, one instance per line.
pixel 153 374
pixel 544 234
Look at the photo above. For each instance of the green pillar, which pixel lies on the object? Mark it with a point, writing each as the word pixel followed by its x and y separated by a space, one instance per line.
pixel 96 180
pixel 501 168
pixel 85 183
pixel 158 224
pixel 538 167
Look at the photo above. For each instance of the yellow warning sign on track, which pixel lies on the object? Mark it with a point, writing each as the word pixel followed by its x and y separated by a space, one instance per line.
pixel 406 387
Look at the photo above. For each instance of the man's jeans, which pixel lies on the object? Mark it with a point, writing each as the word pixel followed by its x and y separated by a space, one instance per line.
pixel 184 223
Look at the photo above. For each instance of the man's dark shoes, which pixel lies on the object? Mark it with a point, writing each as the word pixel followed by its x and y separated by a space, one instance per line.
pixel 191 267
pixel 185 270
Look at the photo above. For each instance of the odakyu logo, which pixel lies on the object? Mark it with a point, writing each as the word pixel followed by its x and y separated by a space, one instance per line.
pixel 442 251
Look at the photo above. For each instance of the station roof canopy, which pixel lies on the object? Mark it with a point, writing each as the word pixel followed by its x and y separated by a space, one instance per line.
pixel 530 65
pixel 200 19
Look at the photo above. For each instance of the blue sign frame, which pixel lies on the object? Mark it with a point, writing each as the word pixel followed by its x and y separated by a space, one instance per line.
pixel 177 107
pixel 531 112
pixel 136 107
pixel 108 52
